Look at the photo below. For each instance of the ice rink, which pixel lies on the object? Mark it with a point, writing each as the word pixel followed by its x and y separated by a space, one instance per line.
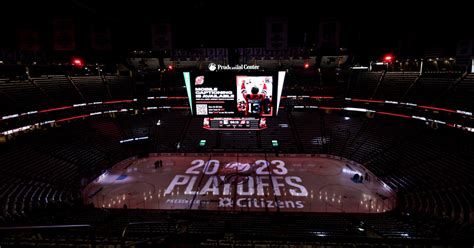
pixel 241 182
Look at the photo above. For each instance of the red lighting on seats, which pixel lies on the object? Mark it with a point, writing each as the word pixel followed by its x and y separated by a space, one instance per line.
pixel 439 109
pixel 54 109
pixel 177 97
pixel 118 101
pixel 77 62
pixel 330 108
pixel 322 97
pixel 393 114
pixel 388 58
pixel 72 118
pixel 363 100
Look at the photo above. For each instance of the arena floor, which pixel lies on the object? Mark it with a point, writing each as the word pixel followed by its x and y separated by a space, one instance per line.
pixel 241 182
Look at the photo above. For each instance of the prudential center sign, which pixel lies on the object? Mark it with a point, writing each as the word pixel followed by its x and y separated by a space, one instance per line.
pixel 218 67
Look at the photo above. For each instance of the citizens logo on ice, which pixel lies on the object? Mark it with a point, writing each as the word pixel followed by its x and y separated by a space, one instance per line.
pixel 225 202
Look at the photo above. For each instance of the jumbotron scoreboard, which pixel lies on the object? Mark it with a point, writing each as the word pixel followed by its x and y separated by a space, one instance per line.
pixel 234 123
pixel 232 97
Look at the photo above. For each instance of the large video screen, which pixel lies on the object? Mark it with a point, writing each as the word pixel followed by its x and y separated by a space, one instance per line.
pixel 232 94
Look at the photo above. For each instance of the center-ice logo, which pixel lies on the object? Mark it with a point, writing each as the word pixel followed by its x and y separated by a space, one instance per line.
pixel 236 167
pixel 212 67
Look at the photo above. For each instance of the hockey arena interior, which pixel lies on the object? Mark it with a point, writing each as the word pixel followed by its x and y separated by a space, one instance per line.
pixel 161 132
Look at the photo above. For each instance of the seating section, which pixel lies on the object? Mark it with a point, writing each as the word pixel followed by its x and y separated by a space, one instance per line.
pixel 307 126
pixel 395 84
pixel 429 88
pixel 301 82
pixel 167 84
pixel 170 131
pixel 195 133
pixel 364 84
pixel 16 96
pixel 104 135
pixel 238 141
pixel 60 89
pixel 19 196
pixel 241 229
pixel 32 179
pixel 279 128
pixel 395 228
pixel 92 88
pixel 460 96
pixel 445 89
pixel 120 87
pixel 449 202
pixel 49 166
pixel 138 126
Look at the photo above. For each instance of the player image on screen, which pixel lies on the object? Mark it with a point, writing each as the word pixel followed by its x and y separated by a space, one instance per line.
pixel 255 95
